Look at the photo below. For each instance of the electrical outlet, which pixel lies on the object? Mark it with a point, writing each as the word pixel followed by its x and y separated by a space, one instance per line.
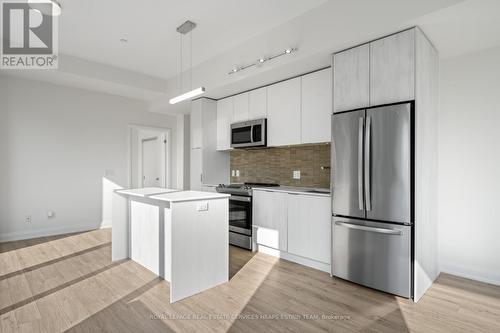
pixel 27 219
pixel 237 173
pixel 296 174
pixel 233 173
pixel 202 206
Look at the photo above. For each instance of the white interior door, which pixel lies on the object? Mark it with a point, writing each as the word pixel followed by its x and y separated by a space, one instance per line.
pixel 151 162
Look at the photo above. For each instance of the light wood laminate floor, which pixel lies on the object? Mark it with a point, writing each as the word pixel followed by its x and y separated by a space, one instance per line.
pixel 68 283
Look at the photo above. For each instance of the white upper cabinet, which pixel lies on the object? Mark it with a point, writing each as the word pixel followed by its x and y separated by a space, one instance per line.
pixel 257 103
pixel 392 68
pixel 224 120
pixel 240 112
pixel 351 78
pixel 316 106
pixel 196 126
pixel 283 113
pixel 309 226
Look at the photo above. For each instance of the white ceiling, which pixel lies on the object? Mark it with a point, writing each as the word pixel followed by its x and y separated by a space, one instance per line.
pixel 469 26
pixel 234 32
pixel 91 29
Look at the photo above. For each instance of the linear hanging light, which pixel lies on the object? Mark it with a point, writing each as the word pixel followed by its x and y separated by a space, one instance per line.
pixel 184 29
pixel 189 95
pixel 261 61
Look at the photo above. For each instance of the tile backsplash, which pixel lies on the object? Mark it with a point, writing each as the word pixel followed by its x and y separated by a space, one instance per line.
pixel 277 165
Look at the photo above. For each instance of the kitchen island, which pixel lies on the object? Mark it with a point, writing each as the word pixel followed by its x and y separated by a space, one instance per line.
pixel 182 236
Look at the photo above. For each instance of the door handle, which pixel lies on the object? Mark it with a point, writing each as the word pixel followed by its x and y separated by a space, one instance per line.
pixel 368 180
pixel 360 164
pixel 371 229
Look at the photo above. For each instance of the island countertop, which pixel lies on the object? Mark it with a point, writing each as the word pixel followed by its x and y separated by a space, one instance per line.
pixel 171 195
pixel 182 196
pixel 145 191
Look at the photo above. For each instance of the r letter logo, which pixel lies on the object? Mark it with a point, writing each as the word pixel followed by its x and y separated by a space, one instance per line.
pixel 29 37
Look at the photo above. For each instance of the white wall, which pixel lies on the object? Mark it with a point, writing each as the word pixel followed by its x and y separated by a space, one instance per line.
pixel 469 171
pixel 63 149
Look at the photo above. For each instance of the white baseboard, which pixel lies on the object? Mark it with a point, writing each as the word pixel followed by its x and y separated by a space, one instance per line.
pixel 469 274
pixel 294 258
pixel 105 224
pixel 28 234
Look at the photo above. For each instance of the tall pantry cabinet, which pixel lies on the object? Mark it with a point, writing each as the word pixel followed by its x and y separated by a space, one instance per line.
pixel 208 166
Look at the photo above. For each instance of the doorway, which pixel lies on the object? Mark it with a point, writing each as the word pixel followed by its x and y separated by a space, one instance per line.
pixel 149 157
pixel 151 162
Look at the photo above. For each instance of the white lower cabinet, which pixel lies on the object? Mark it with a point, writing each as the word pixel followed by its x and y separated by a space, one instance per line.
pixel 270 219
pixel 296 224
pixel 309 227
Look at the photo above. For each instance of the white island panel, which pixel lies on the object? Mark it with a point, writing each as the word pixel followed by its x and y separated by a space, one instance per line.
pixel 199 246
pixel 120 232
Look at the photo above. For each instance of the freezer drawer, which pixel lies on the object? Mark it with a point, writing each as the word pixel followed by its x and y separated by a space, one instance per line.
pixel 373 254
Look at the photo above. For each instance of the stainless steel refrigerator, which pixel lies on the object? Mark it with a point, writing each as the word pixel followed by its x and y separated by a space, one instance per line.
pixel 372 200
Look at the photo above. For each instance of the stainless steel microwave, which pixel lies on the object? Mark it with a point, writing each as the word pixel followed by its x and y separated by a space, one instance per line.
pixel 252 133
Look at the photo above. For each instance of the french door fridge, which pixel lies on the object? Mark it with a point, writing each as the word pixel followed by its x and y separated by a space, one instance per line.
pixel 372 199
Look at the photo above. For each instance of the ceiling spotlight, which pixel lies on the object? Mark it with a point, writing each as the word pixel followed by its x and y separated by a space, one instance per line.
pixel 261 60
pixel 288 51
pixel 235 70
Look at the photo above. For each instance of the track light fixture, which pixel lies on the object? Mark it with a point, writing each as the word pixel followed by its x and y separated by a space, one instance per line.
pixel 262 60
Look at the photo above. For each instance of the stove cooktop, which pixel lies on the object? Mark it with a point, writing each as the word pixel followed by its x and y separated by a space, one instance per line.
pixel 242 188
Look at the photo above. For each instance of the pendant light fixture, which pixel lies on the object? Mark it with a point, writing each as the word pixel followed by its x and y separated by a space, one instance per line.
pixel 184 29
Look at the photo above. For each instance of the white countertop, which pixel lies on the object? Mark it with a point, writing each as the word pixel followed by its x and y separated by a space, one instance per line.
pixel 171 195
pixel 189 196
pixel 145 191
pixel 295 190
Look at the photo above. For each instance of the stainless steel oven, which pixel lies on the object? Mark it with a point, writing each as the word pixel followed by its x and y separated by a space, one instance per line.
pixel 240 212
pixel 252 133
pixel 240 221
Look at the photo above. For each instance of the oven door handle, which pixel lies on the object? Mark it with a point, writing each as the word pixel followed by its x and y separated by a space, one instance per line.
pixel 240 198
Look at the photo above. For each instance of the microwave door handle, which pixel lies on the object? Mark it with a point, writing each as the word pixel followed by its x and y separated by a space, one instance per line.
pixel 251 133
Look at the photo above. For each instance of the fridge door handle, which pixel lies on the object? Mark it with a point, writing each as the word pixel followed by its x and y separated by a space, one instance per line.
pixel 360 164
pixel 371 229
pixel 368 199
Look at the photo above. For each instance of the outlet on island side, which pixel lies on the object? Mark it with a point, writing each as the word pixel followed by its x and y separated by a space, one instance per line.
pixel 296 174
pixel 27 219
